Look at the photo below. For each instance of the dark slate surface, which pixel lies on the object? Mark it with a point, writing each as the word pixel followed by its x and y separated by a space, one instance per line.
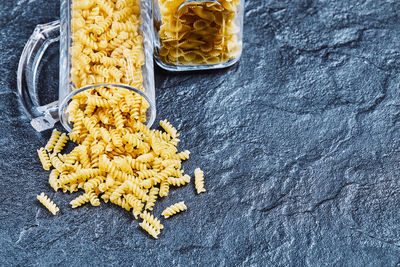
pixel 300 144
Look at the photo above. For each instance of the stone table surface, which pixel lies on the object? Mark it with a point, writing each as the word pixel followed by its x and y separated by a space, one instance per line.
pixel 299 141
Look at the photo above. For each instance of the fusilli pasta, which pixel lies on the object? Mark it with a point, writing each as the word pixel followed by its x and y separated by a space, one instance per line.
pixel 53 140
pixel 199 180
pixel 118 158
pixel 48 203
pixel 44 158
pixel 150 229
pixel 146 216
pixel 174 209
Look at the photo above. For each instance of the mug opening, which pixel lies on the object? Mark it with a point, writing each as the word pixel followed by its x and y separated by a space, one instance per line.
pixel 63 107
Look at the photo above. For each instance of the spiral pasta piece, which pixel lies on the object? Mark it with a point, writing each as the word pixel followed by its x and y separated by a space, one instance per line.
pixel 184 155
pixel 79 201
pixel 164 174
pixel 145 157
pixel 152 198
pixel 168 151
pixel 93 198
pixel 70 188
pixel 136 190
pixel 48 203
pixel 58 164
pixel 162 135
pixel 199 180
pixel 123 203
pixel 174 209
pixel 153 221
pixel 164 188
pixel 116 138
pixel 79 176
pixel 83 156
pixel 59 146
pixel 44 158
pixel 124 3
pixel 175 163
pixel 53 179
pixel 117 193
pixel 150 229
pixel 124 165
pixel 135 164
pixel 169 128
pixel 95 152
pixel 55 135
pixel 146 174
pixel 135 203
pixel 93 183
pixel 133 140
pixel 179 181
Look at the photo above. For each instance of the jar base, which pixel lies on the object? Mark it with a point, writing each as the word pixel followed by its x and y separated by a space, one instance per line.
pixel 177 68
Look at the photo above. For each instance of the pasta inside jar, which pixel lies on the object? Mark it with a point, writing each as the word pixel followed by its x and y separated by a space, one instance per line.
pixel 110 68
pixel 198 34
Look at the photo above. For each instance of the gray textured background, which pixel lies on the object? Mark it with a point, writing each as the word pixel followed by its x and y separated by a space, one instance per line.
pixel 300 144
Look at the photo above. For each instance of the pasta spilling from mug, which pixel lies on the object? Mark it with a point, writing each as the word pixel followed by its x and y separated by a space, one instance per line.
pixel 117 159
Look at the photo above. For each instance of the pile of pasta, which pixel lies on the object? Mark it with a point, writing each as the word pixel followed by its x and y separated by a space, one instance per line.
pixel 130 178
pixel 198 32
pixel 117 158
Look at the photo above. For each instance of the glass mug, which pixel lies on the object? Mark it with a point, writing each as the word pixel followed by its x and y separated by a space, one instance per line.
pixel 197 34
pixel 96 54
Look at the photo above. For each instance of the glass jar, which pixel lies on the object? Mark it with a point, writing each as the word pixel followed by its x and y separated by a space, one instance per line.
pixel 197 34
pixel 106 56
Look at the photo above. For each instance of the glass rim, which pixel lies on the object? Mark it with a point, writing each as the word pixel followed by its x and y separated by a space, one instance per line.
pixel 64 103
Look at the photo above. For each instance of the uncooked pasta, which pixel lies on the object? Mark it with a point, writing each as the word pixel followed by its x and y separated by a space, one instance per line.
pixel 198 32
pixel 118 159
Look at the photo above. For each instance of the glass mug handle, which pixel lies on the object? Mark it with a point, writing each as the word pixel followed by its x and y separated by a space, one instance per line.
pixel 42 117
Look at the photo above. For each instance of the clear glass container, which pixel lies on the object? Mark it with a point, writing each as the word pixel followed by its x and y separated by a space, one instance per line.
pixel 105 52
pixel 197 34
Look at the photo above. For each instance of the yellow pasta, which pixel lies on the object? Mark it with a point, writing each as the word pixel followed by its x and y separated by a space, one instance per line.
pixel 83 156
pixel 79 201
pixel 58 164
pixel 117 158
pixel 135 164
pixel 53 140
pixel 150 229
pixel 171 163
pixel 93 183
pixel 167 151
pixel 199 180
pixel 135 203
pixel 198 32
pixel 48 203
pixel 122 203
pixel 44 158
pixel 152 198
pixel 179 181
pixel 146 216
pixel 174 209
pixel 184 155
pixel 148 157
pixel 53 179
pixel 169 128
pixel 59 146
pixel 135 189
pixel 93 198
